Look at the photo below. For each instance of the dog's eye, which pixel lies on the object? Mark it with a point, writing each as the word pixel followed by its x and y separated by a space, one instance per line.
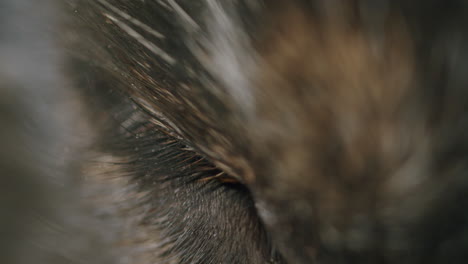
pixel 176 203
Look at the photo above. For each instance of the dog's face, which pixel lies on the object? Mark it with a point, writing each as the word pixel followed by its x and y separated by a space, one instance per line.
pixel 284 131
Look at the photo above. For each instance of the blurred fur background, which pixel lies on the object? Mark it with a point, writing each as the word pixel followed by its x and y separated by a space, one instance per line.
pixel 42 133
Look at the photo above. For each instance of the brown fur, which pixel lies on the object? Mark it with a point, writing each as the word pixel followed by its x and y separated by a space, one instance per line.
pixel 332 123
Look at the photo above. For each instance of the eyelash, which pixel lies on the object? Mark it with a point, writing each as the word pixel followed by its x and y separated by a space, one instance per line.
pixel 149 146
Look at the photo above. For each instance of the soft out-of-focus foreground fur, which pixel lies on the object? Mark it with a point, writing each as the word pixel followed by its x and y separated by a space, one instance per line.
pixel 43 132
pixel 237 131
